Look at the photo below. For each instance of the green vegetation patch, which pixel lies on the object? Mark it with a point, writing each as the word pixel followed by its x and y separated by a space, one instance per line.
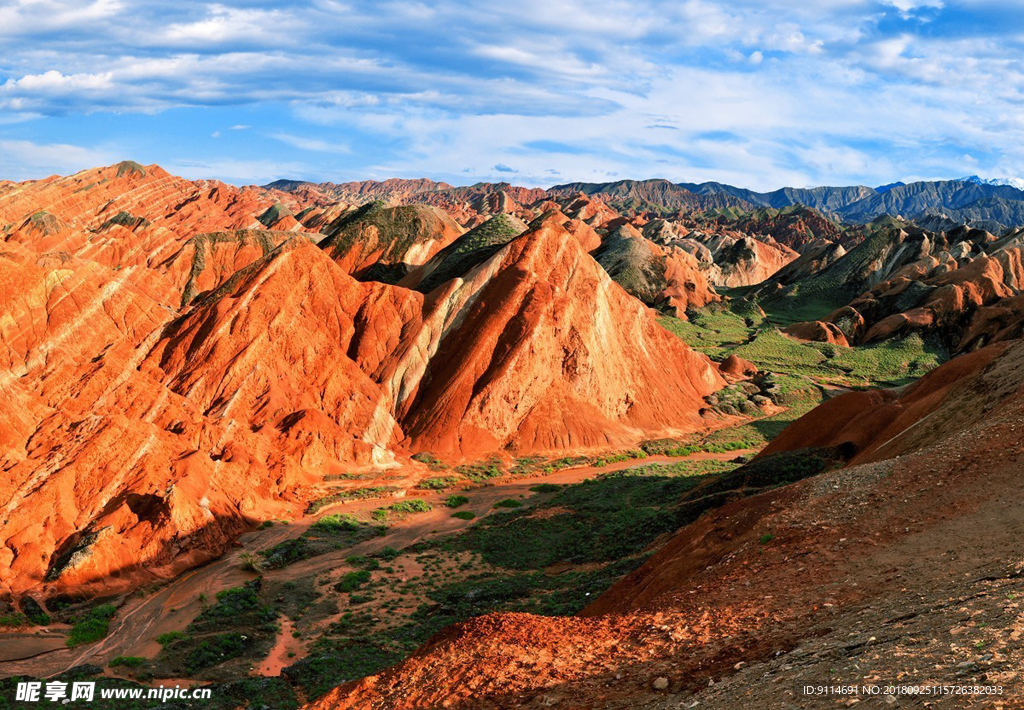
pixel 331 532
pixel 127 661
pixel 480 472
pixel 349 494
pixel 338 522
pixel 239 623
pixel 93 626
pixel 439 483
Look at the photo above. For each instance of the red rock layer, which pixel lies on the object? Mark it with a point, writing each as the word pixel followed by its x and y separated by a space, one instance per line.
pixel 539 350
pixel 168 387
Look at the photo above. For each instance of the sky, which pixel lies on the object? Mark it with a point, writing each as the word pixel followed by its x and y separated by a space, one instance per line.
pixel 755 93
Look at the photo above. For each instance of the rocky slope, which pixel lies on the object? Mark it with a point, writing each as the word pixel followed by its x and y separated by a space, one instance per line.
pixel 902 563
pixel 960 287
pixel 669 278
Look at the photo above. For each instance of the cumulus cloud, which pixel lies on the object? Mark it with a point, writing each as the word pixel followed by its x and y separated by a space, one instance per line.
pixel 757 92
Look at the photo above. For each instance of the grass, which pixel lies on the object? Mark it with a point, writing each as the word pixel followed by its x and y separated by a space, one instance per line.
pixel 127 661
pixel 610 519
pixel 215 650
pixel 170 637
pixel 338 522
pixel 439 483
pixel 894 361
pixel 13 620
pixel 330 532
pixel 349 494
pixel 92 627
pixel 239 623
pixel 481 472
pixel 546 488
pixel 712 331
pixel 553 557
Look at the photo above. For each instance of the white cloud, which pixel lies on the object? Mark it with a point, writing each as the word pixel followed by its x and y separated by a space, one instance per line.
pixel 239 171
pixel 314 145
pixel 226 24
pixel 23 160
pixel 758 91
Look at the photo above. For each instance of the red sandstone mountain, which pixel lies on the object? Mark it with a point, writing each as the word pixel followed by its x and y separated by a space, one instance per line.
pixel 176 371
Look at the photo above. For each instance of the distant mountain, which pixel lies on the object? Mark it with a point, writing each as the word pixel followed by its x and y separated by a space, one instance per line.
pixel 891 185
pixel 826 199
pixel 1012 182
pixel 655 195
pixel 1000 203
pixel 364 190
pixel 969 200
pixel 993 203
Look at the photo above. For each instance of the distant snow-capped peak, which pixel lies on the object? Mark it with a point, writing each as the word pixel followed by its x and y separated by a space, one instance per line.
pixel 1011 181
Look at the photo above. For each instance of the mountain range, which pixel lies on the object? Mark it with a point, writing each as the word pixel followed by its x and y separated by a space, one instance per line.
pixel 402 445
pixel 991 204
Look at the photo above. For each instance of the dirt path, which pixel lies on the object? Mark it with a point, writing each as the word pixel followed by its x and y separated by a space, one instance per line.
pixel 175 605
pixel 284 651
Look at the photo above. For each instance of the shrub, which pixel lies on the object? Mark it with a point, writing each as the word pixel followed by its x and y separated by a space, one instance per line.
pixel 12 620
pixel 389 553
pixel 414 505
pixel 128 661
pixel 352 581
pixel 338 522
pixel 766 538
pixel 507 503
pixel 216 650
pixel 439 483
pixel 481 472
pixel 250 562
pixel 34 612
pixel 456 501
pixel 464 515
pixel 92 627
pixel 546 488
pixel 234 601
pixel 170 637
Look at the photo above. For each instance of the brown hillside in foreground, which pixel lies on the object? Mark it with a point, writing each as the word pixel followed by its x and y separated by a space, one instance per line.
pixel 883 565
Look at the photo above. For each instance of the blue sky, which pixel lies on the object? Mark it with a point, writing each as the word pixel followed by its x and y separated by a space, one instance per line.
pixel 757 93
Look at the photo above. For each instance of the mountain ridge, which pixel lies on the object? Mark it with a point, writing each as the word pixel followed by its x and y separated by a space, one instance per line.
pixel 973 200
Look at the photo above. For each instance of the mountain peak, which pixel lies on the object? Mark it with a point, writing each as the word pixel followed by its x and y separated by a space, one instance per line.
pixel 1005 181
